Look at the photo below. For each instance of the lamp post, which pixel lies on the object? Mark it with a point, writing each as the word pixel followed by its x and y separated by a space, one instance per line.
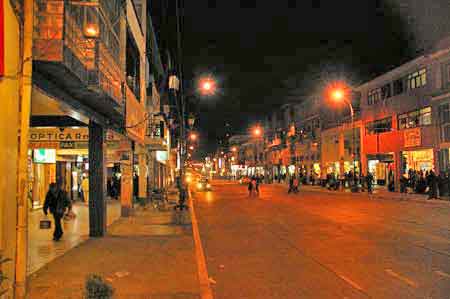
pixel 339 95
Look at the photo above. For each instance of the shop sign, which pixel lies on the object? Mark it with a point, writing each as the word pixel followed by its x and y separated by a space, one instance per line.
pixel 2 40
pixel 413 137
pixel 65 135
pixel 36 145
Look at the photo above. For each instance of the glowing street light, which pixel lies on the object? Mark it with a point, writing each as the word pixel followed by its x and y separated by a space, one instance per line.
pixel 233 149
pixel 193 136
pixel 339 93
pixel 207 86
pixel 257 132
pixel 191 147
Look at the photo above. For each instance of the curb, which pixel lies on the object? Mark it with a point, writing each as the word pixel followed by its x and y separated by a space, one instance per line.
pixel 203 277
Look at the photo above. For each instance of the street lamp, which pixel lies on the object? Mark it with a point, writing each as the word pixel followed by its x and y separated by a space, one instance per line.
pixel 193 136
pixel 207 86
pixel 257 131
pixel 338 94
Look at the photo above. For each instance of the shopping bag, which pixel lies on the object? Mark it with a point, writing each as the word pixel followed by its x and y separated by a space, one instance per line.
pixel 45 223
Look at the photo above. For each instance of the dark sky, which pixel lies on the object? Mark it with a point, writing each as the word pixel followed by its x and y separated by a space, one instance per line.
pixel 260 51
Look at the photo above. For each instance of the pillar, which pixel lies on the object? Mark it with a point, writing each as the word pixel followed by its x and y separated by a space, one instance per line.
pixel 151 170
pixel 362 154
pixel 97 180
pixel 398 169
pixel 142 161
pixel 126 191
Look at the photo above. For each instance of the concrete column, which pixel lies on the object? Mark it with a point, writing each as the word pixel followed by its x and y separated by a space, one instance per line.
pixel 97 180
pixel 151 170
pixel 398 169
pixel 126 192
pixel 362 154
pixel 142 176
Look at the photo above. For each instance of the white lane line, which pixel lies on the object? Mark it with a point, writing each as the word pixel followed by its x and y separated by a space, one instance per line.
pixel 351 282
pixel 205 286
pixel 442 273
pixel 401 277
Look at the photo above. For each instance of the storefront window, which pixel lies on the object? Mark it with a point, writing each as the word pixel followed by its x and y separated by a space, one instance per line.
pixel 416 118
pixel 379 126
pixel 418 160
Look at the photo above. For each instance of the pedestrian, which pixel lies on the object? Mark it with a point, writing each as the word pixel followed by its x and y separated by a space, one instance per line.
pixel 369 181
pixel 85 188
pixel 432 185
pixel 295 184
pixel 403 184
pixel 291 184
pixel 57 202
pixel 250 187
pixel 257 183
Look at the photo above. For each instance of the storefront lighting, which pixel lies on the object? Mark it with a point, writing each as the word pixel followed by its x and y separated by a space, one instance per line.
pixel 91 30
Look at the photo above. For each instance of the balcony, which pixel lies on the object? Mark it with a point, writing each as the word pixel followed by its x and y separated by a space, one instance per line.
pixel 76 47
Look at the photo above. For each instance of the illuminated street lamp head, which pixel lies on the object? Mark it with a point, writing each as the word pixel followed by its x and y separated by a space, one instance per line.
pixel 193 136
pixel 207 86
pixel 257 132
pixel 191 147
pixel 338 94
pixel 234 149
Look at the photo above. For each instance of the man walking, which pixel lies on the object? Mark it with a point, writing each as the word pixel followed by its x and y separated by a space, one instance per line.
pixel 57 202
pixel 369 181
pixel 432 185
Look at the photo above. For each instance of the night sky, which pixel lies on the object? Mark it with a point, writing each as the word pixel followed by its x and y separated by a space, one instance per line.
pixel 261 51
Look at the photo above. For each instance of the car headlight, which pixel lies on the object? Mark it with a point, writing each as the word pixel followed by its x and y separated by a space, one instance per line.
pixel 208 186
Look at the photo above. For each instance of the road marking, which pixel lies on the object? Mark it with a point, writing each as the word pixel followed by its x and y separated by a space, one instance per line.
pixel 402 278
pixel 442 273
pixel 205 286
pixel 351 282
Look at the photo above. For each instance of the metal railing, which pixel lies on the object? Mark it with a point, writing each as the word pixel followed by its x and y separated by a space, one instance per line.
pixel 59 36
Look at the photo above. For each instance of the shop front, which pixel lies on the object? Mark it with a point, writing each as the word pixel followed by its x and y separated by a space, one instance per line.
pixel 418 160
pixel 382 167
pixel 60 155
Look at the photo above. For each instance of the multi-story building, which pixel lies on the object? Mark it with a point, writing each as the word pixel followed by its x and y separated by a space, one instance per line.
pixel 76 79
pixel 400 123
pixel 403 113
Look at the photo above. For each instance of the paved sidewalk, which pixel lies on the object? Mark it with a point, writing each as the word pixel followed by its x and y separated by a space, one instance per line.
pixel 150 255
pixel 41 248
pixel 378 193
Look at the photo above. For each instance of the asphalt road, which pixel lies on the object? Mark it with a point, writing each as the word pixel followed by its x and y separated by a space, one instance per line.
pixel 319 245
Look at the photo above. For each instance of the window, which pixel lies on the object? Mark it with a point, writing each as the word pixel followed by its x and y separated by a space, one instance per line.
pixel 398 87
pixel 386 91
pixel 416 118
pixel 444 113
pixel 374 96
pixel 379 126
pixel 444 118
pixel 417 79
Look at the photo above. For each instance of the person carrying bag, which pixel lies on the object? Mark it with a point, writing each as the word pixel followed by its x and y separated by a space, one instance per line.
pixel 57 202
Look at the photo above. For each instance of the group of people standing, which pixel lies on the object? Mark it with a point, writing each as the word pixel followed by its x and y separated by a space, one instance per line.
pixel 426 181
